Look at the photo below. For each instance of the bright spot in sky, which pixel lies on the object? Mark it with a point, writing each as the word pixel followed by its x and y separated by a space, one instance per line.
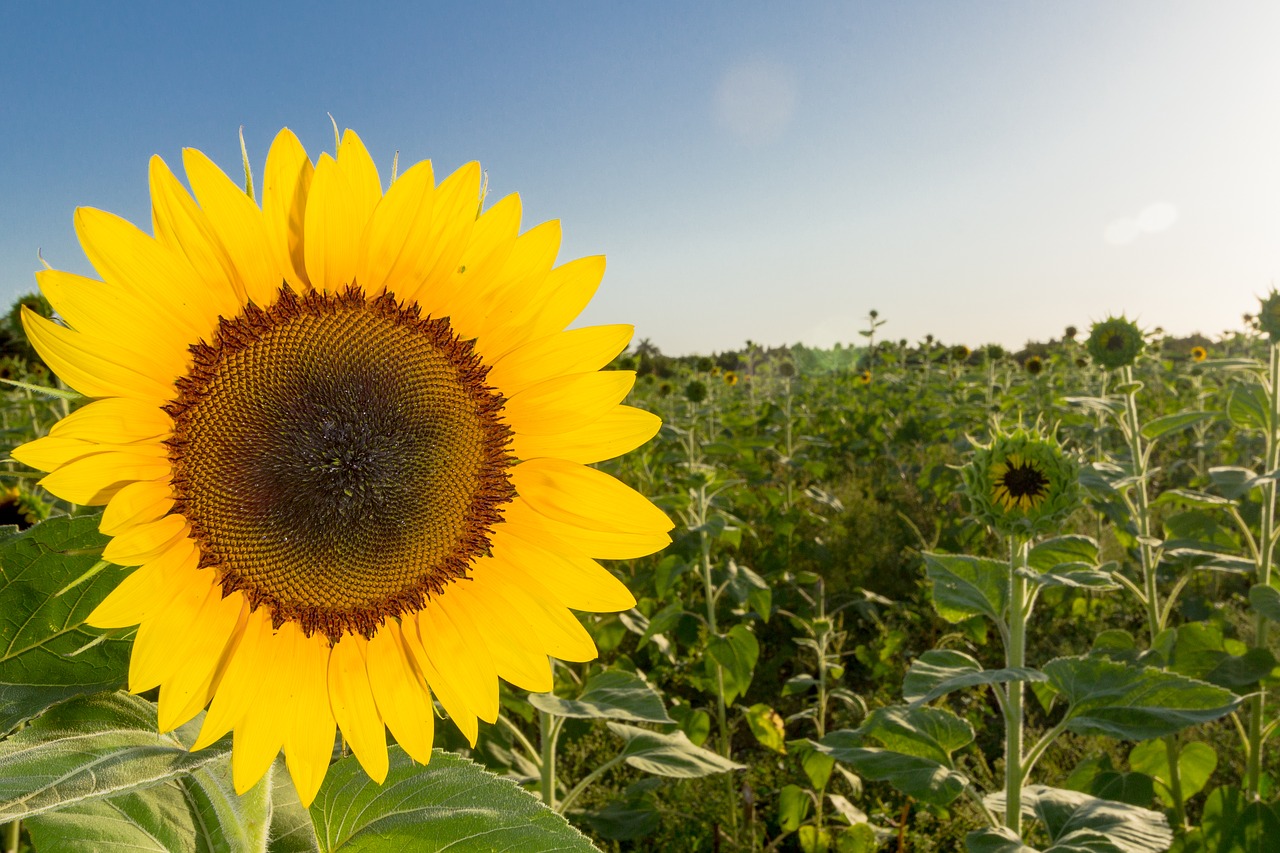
pixel 1150 220
pixel 755 101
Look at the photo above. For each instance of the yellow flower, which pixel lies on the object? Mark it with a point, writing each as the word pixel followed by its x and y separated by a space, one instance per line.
pixel 730 378
pixel 345 437
pixel 1199 354
pixel 865 377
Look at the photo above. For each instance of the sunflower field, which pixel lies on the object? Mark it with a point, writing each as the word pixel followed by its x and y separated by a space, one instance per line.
pixel 917 597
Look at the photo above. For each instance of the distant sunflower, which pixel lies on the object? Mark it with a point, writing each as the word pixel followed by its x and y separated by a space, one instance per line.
pixel 865 377
pixel 1115 342
pixel 730 378
pixel 1199 354
pixel 312 420
pixel 1021 483
pixel 1033 365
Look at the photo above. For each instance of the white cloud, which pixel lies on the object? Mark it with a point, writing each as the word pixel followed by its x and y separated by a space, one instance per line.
pixel 1152 219
pixel 756 100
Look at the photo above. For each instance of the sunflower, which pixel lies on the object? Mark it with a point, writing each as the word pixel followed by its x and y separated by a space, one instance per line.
pixel 865 377
pixel 1034 365
pixel 345 439
pixel 1199 354
pixel 730 378
pixel 1021 483
pixel 1115 342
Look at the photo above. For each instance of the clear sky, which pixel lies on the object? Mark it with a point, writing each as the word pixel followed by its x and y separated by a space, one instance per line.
pixel 981 171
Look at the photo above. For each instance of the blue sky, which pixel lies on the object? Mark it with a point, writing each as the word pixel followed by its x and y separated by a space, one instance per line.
pixel 979 171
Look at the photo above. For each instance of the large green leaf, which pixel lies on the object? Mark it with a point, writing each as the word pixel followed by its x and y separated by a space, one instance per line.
pixel 736 652
pixel 966 586
pixel 1248 408
pixel 1202 652
pixel 1166 424
pixel 90 748
pixel 613 695
pixel 1234 823
pixel 1266 600
pixel 1196 763
pixel 291 827
pixel 195 813
pixel 669 754
pixel 1063 549
pixel 1080 823
pixel 450 804
pixel 1131 702
pixel 938 672
pixel 46 653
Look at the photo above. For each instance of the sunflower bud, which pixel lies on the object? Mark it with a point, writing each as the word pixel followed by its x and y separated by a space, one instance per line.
pixel 1021 483
pixel 695 392
pixel 1269 316
pixel 1115 342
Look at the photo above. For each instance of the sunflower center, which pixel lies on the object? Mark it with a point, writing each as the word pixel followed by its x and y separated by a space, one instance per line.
pixel 339 458
pixel 1024 483
pixel 1113 343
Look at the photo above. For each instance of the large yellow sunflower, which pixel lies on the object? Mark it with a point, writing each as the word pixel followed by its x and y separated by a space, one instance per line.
pixel 345 438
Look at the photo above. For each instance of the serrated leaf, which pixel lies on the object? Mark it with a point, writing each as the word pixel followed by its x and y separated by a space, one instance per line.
pixel 612 695
pixel 1131 702
pixel 1266 600
pixel 451 803
pixel 669 754
pixel 1166 424
pixel 966 586
pixel 1063 549
pixel 1082 823
pixel 91 748
pixel 938 672
pixel 47 655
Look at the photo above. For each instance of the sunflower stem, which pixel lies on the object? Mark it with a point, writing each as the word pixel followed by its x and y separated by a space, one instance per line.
pixel 12 832
pixel 550 733
pixel 1266 543
pixel 1015 657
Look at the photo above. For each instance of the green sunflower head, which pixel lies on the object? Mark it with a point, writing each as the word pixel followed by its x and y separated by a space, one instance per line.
pixel 695 392
pixel 1269 316
pixel 1022 483
pixel 1115 342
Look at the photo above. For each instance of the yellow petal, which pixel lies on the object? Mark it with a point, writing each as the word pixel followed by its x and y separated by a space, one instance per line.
pixel 388 252
pixel 620 430
pixel 450 698
pixel 261 732
pixel 151 272
pixel 154 347
pixel 402 697
pixel 180 224
pixel 491 241
pixel 136 503
pixel 142 543
pixel 239 226
pixel 146 592
pixel 567 402
pixel 521 520
pixel 361 174
pixel 462 661
pixel 252 659
pixel 577 582
pixel 562 354
pixel 91 366
pixel 188 690
pixel 285 186
pixel 308 741
pixel 51 452
pixel 351 699
pixel 443 239
pixel 94 480
pixel 332 232
pixel 511 305
pixel 566 291
pixel 164 642
pixel 575 494
pixel 115 420
pixel 557 630
pixel 479 615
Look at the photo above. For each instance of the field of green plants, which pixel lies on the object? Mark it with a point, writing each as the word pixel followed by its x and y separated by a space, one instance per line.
pixel 920 598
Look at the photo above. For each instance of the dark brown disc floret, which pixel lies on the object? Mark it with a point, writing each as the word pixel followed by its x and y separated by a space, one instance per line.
pixel 339 458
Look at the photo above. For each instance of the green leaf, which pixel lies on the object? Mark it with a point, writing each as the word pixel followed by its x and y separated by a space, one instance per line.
pixel 1232 823
pixel 671 754
pixel 922 778
pixel 1196 763
pixel 1186 497
pixel 1075 576
pixel 736 652
pixel 1161 426
pixel 938 672
pixel 793 807
pixel 966 586
pixel 90 748
pixel 48 655
pixel 451 803
pixel 1247 407
pixel 1234 482
pixel 1266 600
pixel 291 828
pixel 767 725
pixel 613 695
pixel 1135 789
pixel 1078 822
pixel 1063 549
pixel 996 840
pixel 816 764
pixel 1130 702
pixel 1201 652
